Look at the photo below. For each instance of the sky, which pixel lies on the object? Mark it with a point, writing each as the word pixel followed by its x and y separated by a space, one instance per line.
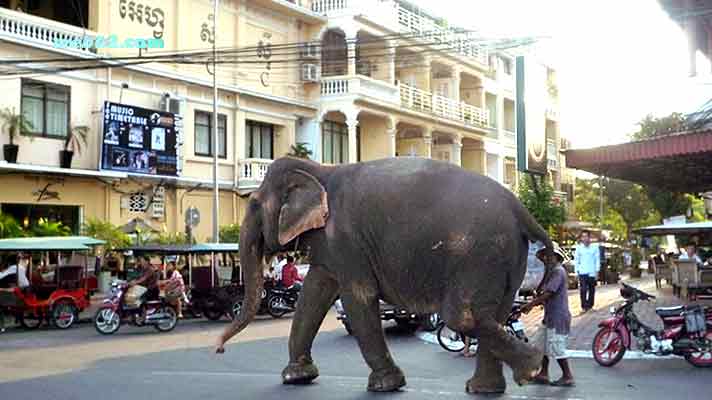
pixel 616 60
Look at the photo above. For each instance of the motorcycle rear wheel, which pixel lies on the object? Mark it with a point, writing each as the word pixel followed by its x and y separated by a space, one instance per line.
pixel 30 321
pixel 452 341
pixel 167 326
pixel 64 314
pixel 702 359
pixel 608 341
pixel 273 307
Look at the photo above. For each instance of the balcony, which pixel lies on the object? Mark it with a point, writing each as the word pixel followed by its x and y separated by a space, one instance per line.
pixel 28 29
pixel 252 172
pixel 392 15
pixel 426 102
pixel 340 86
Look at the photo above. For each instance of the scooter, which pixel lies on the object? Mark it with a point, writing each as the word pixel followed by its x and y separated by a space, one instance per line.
pixel 687 332
pixel 282 301
pixel 116 310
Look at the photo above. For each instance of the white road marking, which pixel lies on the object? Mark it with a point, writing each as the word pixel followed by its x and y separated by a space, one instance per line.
pixel 584 354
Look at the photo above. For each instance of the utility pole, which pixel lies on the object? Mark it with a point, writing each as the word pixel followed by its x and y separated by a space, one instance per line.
pixel 216 143
pixel 600 218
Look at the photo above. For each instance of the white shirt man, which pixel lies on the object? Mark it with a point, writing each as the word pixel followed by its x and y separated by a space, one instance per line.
pixel 278 267
pixel 587 261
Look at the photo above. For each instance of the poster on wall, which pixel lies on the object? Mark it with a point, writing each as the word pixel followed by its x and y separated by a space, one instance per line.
pixel 530 116
pixel 139 140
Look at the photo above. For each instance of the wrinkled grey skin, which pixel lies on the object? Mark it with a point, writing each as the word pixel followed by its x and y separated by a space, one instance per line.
pixel 419 233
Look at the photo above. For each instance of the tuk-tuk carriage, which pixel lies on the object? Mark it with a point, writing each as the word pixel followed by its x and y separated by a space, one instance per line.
pixel 59 282
pixel 209 294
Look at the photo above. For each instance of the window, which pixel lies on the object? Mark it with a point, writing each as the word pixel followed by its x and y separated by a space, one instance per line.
pixel 510 172
pixel 260 140
pixel 507 66
pixel 138 202
pixel 204 134
pixel 335 142
pixel 46 107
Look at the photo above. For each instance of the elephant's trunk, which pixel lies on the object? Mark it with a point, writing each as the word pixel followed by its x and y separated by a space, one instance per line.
pixel 251 260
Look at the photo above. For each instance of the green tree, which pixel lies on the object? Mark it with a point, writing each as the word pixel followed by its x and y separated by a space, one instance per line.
pixel 9 227
pixel 169 238
pixel 114 237
pixel 44 227
pixel 230 233
pixel 629 200
pixel 547 210
pixel 300 150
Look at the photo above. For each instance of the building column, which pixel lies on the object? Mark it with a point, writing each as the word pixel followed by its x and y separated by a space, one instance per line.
pixel 457 151
pixel 351 54
pixel 392 132
pixel 455 82
pixel 428 141
pixel 391 51
pixel 500 166
pixel 427 70
pixel 352 124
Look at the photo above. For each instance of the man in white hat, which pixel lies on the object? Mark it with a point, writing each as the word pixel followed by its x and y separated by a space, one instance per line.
pixel 553 295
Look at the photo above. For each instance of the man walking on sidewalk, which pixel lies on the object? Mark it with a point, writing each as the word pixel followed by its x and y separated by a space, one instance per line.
pixel 588 262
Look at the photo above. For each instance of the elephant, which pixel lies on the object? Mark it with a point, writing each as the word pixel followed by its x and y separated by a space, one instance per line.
pixel 419 233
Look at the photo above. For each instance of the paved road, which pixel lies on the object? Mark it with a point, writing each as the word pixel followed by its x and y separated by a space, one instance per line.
pixel 138 363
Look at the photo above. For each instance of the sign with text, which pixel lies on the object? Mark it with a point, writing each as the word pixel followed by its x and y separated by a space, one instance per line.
pixel 531 120
pixel 139 140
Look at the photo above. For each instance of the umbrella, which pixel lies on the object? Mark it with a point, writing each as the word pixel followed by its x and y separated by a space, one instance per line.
pixel 136 225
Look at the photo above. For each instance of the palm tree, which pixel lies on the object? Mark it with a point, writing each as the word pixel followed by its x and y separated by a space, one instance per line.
pixel 300 150
pixel 76 138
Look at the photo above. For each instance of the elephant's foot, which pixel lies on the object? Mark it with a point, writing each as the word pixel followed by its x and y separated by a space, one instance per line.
pixel 299 374
pixel 526 367
pixel 386 380
pixel 483 384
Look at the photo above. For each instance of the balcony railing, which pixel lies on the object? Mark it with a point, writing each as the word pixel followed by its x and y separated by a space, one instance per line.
pixel 393 15
pixel 420 100
pixel 29 29
pixel 252 172
pixel 360 85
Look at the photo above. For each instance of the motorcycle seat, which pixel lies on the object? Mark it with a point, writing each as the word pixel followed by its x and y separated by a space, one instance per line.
pixel 664 312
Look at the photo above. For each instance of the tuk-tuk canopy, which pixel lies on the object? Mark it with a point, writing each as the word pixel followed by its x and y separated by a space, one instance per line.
pixel 693 228
pixel 204 248
pixel 65 243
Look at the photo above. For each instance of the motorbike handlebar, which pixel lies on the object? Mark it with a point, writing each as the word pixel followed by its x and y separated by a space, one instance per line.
pixel 630 291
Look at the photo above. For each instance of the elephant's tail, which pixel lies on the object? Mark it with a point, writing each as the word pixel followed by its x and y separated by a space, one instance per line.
pixel 531 228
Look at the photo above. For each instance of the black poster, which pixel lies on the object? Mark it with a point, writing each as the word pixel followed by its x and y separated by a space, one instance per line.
pixel 141 141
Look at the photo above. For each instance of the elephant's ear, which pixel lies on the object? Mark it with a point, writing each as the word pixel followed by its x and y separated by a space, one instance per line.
pixel 304 207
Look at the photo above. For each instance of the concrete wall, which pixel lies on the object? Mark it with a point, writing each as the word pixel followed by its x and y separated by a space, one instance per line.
pixel 375 142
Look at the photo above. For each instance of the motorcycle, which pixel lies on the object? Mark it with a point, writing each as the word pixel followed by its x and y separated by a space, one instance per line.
pixel 454 341
pixel 282 301
pixel 116 310
pixel 687 332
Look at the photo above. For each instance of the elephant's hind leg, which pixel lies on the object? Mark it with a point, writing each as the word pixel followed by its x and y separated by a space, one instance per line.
pixel 361 305
pixel 318 294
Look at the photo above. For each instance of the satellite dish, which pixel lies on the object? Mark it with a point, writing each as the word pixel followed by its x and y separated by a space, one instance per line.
pixel 192 217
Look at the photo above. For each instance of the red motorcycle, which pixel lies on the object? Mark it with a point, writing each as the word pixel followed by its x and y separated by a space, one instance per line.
pixel 687 332
pixel 116 310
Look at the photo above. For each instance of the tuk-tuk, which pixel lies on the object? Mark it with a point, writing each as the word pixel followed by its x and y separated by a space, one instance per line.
pixel 208 294
pixel 57 273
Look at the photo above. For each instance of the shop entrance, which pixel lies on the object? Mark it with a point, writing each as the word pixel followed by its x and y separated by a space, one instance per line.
pixel 28 215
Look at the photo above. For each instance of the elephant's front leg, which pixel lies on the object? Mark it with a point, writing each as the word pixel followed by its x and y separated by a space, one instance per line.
pixel 318 294
pixel 361 305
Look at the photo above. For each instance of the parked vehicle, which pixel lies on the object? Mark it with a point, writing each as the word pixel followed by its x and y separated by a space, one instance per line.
pixel 281 301
pixel 687 332
pixel 405 319
pixel 59 287
pixel 454 341
pixel 116 309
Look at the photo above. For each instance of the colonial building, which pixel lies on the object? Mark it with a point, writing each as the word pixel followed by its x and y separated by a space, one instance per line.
pixel 386 80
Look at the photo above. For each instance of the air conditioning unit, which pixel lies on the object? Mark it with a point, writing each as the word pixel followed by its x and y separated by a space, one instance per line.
pixel 309 50
pixel 172 105
pixel 310 72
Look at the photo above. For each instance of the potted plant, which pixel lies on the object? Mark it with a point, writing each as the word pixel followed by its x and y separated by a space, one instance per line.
pixel 14 124
pixel 76 138
pixel 300 150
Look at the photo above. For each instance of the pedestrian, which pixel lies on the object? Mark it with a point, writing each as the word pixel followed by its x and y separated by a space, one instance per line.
pixel 553 335
pixel 587 264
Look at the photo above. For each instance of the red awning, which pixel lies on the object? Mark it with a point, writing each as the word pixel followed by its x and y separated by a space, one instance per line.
pixel 679 162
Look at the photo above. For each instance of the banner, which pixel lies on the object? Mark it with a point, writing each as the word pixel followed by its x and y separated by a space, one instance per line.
pixel 531 116
pixel 141 141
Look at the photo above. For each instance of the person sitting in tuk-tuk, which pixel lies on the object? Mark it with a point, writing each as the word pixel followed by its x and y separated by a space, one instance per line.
pixel 690 254
pixel 175 288
pixel 16 274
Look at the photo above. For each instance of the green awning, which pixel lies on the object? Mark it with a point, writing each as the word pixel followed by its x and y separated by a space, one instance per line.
pixel 694 228
pixel 43 244
pixel 216 248
pixel 185 249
